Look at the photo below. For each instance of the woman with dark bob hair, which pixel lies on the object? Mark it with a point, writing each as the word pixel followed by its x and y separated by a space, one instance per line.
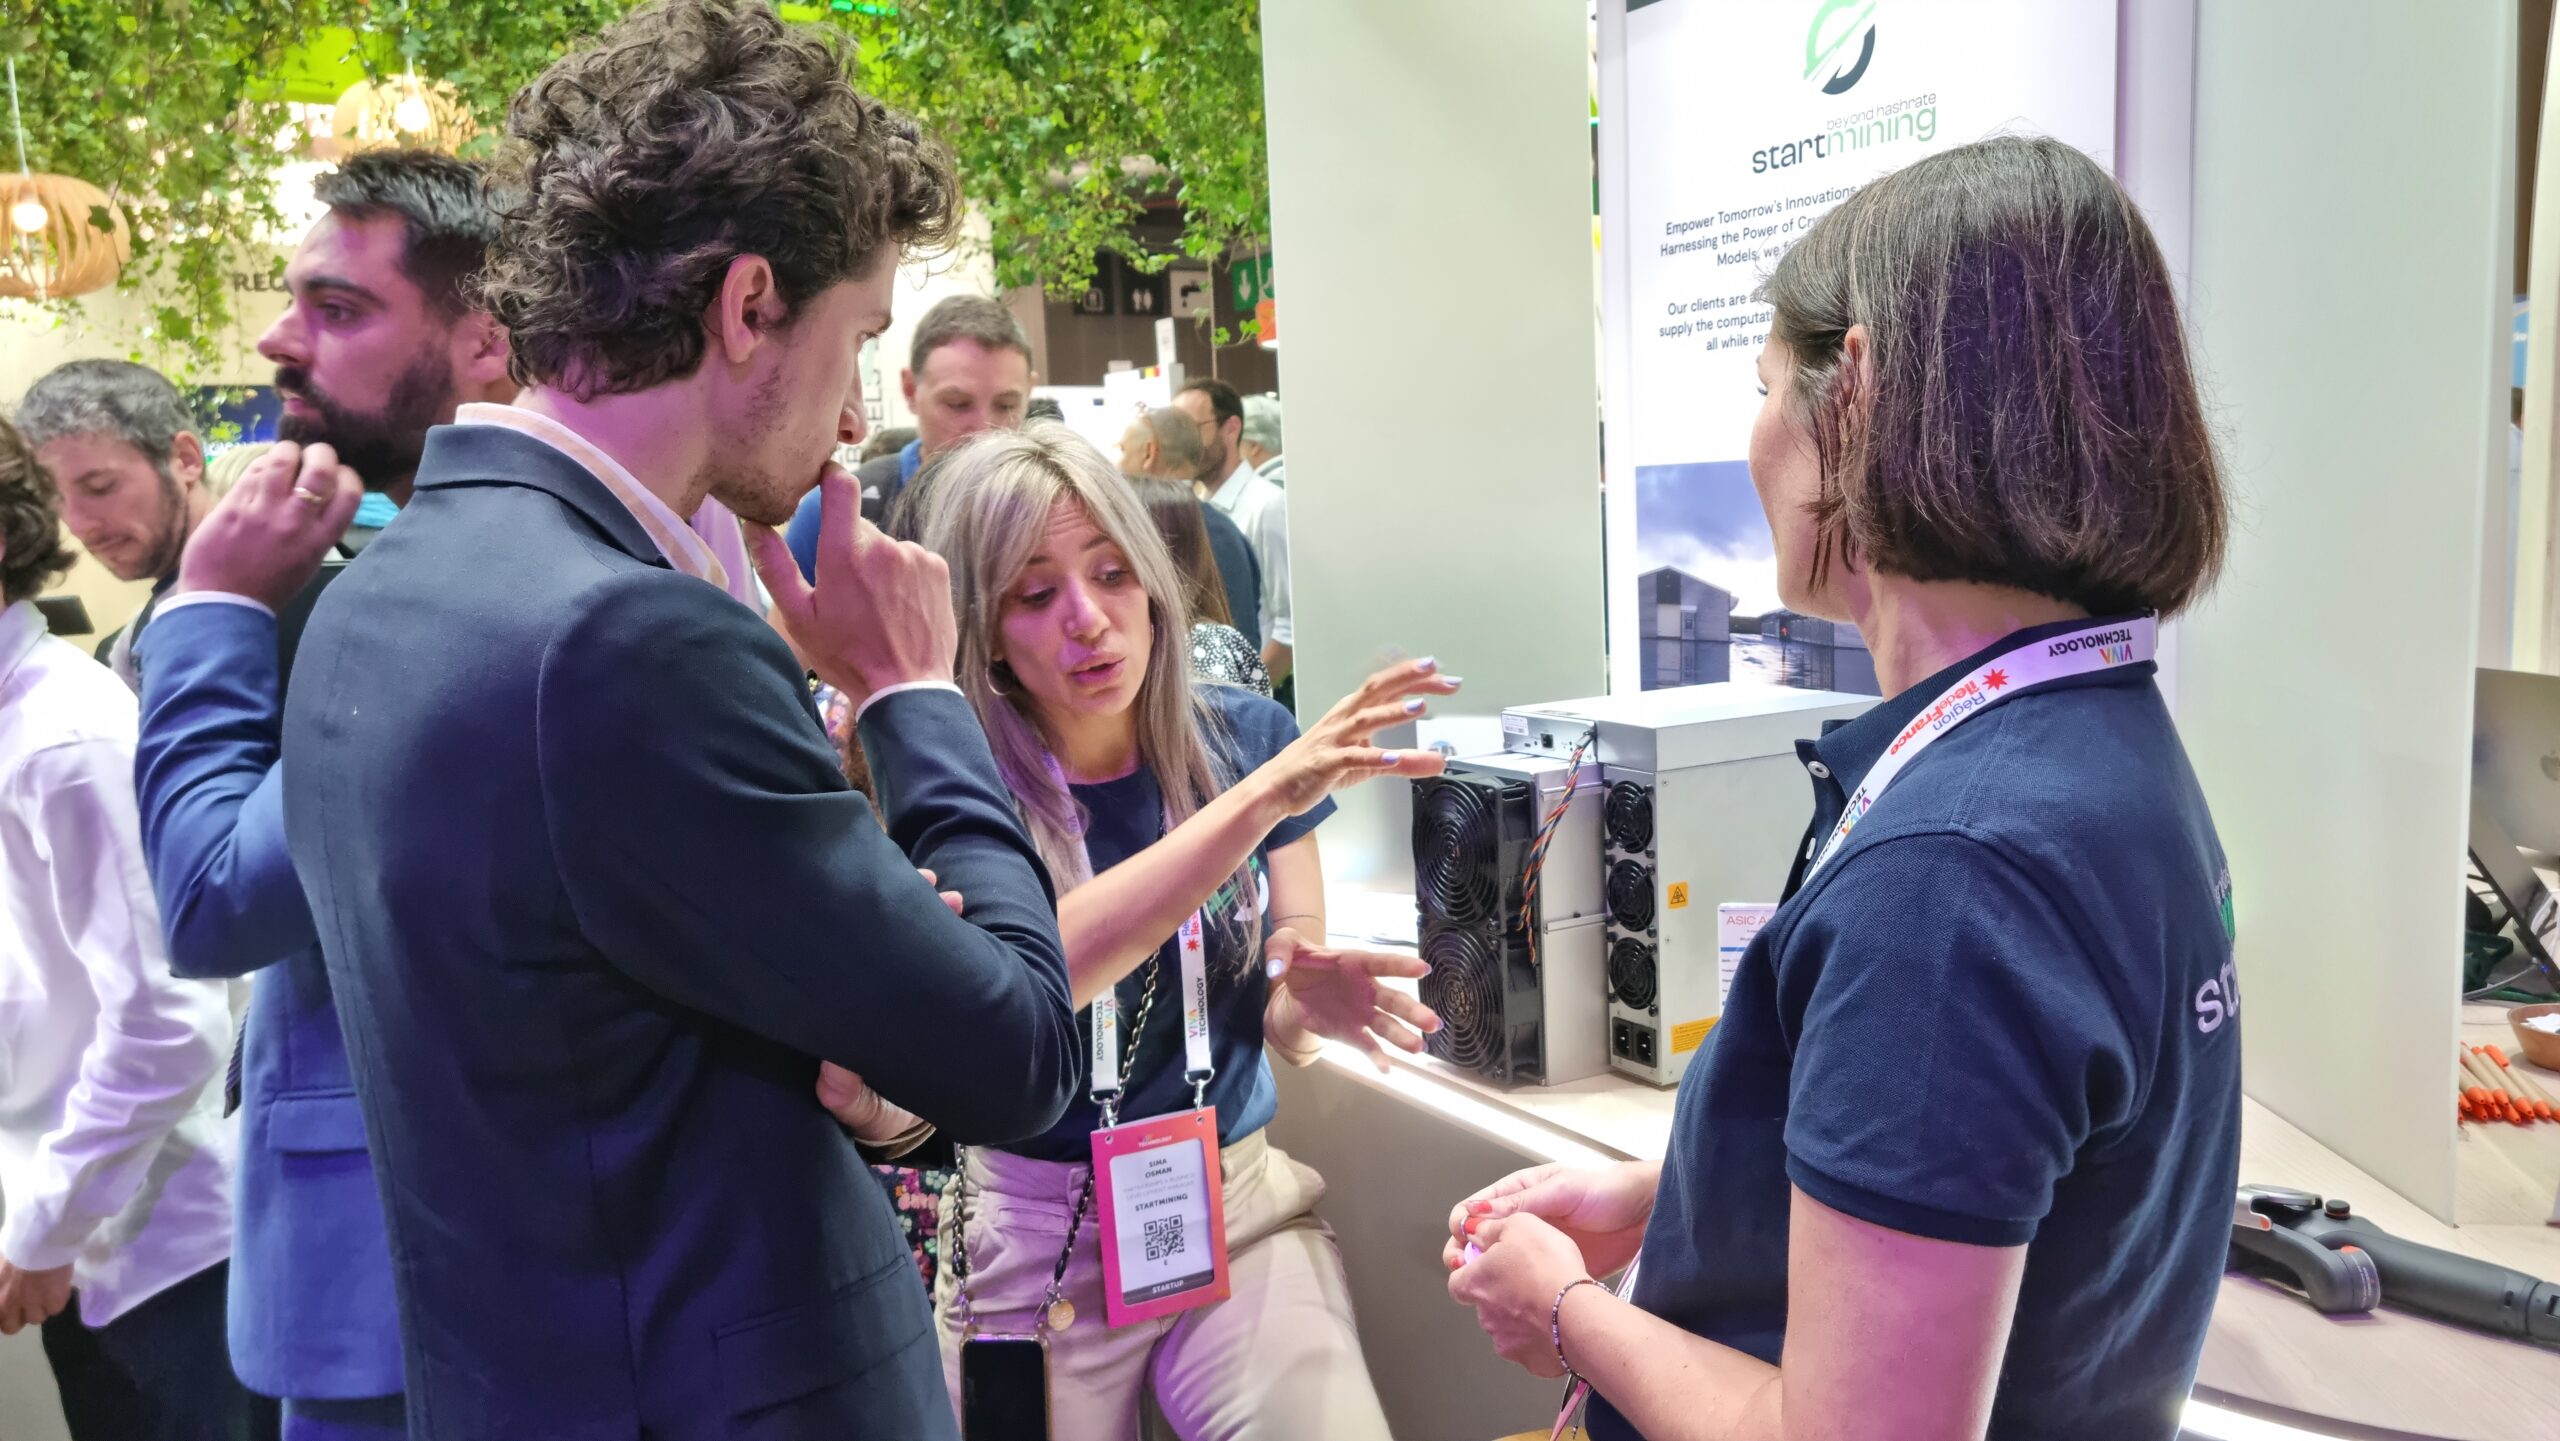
pixel 1962 1149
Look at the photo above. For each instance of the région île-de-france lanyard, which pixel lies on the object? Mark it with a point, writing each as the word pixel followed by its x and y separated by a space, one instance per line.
pixel 2038 663
pixel 1162 1201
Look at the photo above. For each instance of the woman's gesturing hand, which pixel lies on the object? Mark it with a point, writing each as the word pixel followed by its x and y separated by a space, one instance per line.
pixel 1339 749
pixel 1341 993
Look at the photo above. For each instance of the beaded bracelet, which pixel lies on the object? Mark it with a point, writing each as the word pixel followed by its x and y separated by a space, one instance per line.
pixel 1555 1326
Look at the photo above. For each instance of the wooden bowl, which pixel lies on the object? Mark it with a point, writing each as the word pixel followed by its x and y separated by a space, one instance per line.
pixel 2540 1047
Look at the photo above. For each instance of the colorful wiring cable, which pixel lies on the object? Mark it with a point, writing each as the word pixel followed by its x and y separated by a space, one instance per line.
pixel 1545 835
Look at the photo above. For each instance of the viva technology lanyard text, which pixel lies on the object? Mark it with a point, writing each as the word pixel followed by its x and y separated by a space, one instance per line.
pixel 1109 1080
pixel 1199 1067
pixel 2038 663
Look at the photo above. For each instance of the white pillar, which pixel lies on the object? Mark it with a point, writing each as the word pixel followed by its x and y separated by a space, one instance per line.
pixel 2352 264
pixel 1431 216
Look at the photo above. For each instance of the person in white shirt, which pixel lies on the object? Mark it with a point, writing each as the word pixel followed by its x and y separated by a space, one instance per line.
pixel 1259 509
pixel 115 1165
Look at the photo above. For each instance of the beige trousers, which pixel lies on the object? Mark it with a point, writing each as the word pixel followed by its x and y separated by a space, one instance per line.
pixel 1279 1360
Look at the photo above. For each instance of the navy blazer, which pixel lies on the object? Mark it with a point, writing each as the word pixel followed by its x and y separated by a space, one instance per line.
pixel 312 1314
pixel 595 898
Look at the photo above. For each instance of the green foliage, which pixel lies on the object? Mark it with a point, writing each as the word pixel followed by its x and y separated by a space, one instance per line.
pixel 1044 103
pixel 488 49
pixel 195 176
pixel 1044 100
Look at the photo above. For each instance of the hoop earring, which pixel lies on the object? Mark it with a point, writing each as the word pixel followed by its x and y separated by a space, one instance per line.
pixel 1000 679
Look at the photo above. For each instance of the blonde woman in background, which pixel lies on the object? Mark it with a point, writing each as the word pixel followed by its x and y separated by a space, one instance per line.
pixel 228 464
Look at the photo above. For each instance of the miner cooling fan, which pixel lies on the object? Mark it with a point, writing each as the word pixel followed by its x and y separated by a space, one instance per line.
pixel 1470 986
pixel 1518 985
pixel 1633 980
pixel 1631 894
pixel 1470 848
pixel 1629 818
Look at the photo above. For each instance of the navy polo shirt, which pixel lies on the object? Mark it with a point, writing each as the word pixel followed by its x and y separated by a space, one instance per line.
pixel 1122 818
pixel 2003 1014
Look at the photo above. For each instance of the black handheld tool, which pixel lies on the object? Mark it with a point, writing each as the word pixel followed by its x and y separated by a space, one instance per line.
pixel 2343 1263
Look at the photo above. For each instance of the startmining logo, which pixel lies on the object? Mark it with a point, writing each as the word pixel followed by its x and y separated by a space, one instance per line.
pixel 1838 27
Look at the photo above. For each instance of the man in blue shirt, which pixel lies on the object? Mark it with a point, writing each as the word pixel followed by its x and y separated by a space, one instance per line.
pixel 969 370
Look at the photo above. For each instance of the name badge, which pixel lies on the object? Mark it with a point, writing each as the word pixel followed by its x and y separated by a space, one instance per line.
pixel 1163 1212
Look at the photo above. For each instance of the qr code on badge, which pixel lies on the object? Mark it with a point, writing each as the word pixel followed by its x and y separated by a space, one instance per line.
pixel 1163 1237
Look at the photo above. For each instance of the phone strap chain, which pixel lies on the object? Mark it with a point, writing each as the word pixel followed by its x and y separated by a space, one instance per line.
pixel 1050 1301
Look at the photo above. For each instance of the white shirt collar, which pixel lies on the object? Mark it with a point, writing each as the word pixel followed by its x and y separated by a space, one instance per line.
pixel 1231 490
pixel 676 540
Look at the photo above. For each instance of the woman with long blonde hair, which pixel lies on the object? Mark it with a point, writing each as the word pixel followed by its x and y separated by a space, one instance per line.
pixel 1169 811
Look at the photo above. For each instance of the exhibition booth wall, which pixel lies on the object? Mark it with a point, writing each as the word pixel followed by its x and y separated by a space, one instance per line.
pixel 2349 295
pixel 1455 510
pixel 2325 689
pixel 2348 269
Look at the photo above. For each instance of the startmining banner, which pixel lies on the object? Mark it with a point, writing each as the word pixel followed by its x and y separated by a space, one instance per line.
pixel 1738 124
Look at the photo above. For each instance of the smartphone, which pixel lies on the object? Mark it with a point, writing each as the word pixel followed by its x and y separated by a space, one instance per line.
pixel 1004 1388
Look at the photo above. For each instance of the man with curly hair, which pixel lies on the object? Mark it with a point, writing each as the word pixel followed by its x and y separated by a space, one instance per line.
pixel 113 1155
pixel 593 897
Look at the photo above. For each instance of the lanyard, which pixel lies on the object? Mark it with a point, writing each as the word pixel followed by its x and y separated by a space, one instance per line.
pixel 1200 1066
pixel 1108 1079
pixel 2036 664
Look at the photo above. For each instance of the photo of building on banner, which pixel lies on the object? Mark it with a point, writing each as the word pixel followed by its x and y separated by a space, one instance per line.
pixel 1743 122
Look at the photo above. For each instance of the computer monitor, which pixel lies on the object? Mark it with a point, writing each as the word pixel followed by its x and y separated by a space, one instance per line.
pixel 2515 795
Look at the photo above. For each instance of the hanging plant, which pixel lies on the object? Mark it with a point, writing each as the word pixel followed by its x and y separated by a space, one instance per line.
pixel 162 107
pixel 1068 115
pixel 487 49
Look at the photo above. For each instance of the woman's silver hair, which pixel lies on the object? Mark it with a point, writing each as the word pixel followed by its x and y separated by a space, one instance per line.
pixel 985 514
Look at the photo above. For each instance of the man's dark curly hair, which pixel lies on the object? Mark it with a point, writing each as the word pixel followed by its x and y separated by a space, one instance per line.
pixel 689 134
pixel 32 554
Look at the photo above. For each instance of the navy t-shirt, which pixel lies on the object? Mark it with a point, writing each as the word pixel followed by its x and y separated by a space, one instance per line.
pixel 1122 818
pixel 2003 1014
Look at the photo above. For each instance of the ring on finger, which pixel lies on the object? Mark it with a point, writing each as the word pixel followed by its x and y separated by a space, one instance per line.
pixel 308 496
